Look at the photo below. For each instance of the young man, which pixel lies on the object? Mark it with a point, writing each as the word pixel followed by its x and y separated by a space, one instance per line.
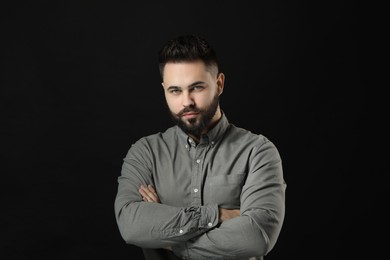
pixel 203 189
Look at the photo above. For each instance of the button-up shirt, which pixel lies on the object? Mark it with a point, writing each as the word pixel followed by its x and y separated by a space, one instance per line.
pixel 230 168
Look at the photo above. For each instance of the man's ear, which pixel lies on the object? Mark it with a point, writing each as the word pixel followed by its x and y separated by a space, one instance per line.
pixel 220 83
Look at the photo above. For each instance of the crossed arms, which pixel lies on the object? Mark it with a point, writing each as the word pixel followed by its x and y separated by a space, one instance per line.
pixel 149 194
pixel 208 230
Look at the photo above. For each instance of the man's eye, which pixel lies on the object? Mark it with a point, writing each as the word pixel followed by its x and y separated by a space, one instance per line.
pixel 198 87
pixel 174 91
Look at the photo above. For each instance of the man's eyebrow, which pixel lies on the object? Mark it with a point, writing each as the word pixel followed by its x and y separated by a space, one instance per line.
pixel 173 87
pixel 191 85
pixel 196 83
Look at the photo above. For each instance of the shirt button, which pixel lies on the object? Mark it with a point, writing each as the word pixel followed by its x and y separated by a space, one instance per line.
pixel 181 231
pixel 210 224
pixel 196 190
pixel 198 161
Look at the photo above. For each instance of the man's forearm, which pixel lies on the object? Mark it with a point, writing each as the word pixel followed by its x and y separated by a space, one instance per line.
pixel 149 194
pixel 237 238
pixel 155 225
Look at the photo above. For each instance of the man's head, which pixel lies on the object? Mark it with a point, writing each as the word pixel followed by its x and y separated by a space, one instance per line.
pixel 192 83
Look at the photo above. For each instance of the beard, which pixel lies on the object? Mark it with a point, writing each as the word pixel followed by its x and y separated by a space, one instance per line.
pixel 196 126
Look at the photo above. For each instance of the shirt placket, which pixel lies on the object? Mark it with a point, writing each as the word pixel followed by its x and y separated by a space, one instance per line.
pixel 196 175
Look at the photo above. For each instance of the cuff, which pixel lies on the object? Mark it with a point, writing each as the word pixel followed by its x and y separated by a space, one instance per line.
pixel 209 216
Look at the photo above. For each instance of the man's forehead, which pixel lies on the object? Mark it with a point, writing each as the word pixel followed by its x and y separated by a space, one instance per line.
pixel 185 71
pixel 198 64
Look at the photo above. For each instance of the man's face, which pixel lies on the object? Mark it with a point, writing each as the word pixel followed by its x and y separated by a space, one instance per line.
pixel 192 94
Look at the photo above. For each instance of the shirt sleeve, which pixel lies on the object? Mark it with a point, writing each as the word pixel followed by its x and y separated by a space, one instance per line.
pixel 154 225
pixel 255 231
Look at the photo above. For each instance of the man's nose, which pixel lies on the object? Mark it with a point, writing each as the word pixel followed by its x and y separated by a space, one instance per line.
pixel 188 100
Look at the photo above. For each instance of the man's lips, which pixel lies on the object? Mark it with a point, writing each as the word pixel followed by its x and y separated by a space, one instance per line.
pixel 190 114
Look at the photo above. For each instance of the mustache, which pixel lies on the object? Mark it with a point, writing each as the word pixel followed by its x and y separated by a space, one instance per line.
pixel 187 110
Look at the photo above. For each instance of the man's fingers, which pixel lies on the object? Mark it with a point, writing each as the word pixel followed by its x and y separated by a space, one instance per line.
pixel 143 194
pixel 153 192
pixel 148 194
pixel 151 188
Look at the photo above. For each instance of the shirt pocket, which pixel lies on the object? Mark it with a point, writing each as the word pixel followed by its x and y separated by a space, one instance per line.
pixel 224 190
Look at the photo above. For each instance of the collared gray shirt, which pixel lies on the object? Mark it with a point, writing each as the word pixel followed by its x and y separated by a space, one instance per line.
pixel 230 168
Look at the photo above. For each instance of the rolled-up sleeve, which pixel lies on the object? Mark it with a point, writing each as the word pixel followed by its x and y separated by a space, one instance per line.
pixel 154 225
pixel 255 232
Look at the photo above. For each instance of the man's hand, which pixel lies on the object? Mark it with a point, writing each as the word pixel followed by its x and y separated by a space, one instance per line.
pixel 149 194
pixel 225 214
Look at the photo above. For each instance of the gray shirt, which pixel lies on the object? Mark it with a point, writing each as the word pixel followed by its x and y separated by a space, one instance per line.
pixel 230 168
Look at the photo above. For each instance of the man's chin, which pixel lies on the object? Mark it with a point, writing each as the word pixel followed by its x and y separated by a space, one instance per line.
pixel 192 122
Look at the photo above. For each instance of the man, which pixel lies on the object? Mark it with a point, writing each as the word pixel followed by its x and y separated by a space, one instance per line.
pixel 203 189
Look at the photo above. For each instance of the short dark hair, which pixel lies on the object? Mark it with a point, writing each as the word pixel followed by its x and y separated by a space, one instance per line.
pixel 186 48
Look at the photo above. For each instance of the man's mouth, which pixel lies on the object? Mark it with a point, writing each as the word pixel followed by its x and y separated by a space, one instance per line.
pixel 190 115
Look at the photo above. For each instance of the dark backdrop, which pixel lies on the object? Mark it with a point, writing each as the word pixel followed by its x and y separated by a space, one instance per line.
pixel 80 84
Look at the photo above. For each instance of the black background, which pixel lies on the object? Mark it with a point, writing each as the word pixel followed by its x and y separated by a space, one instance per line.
pixel 80 84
